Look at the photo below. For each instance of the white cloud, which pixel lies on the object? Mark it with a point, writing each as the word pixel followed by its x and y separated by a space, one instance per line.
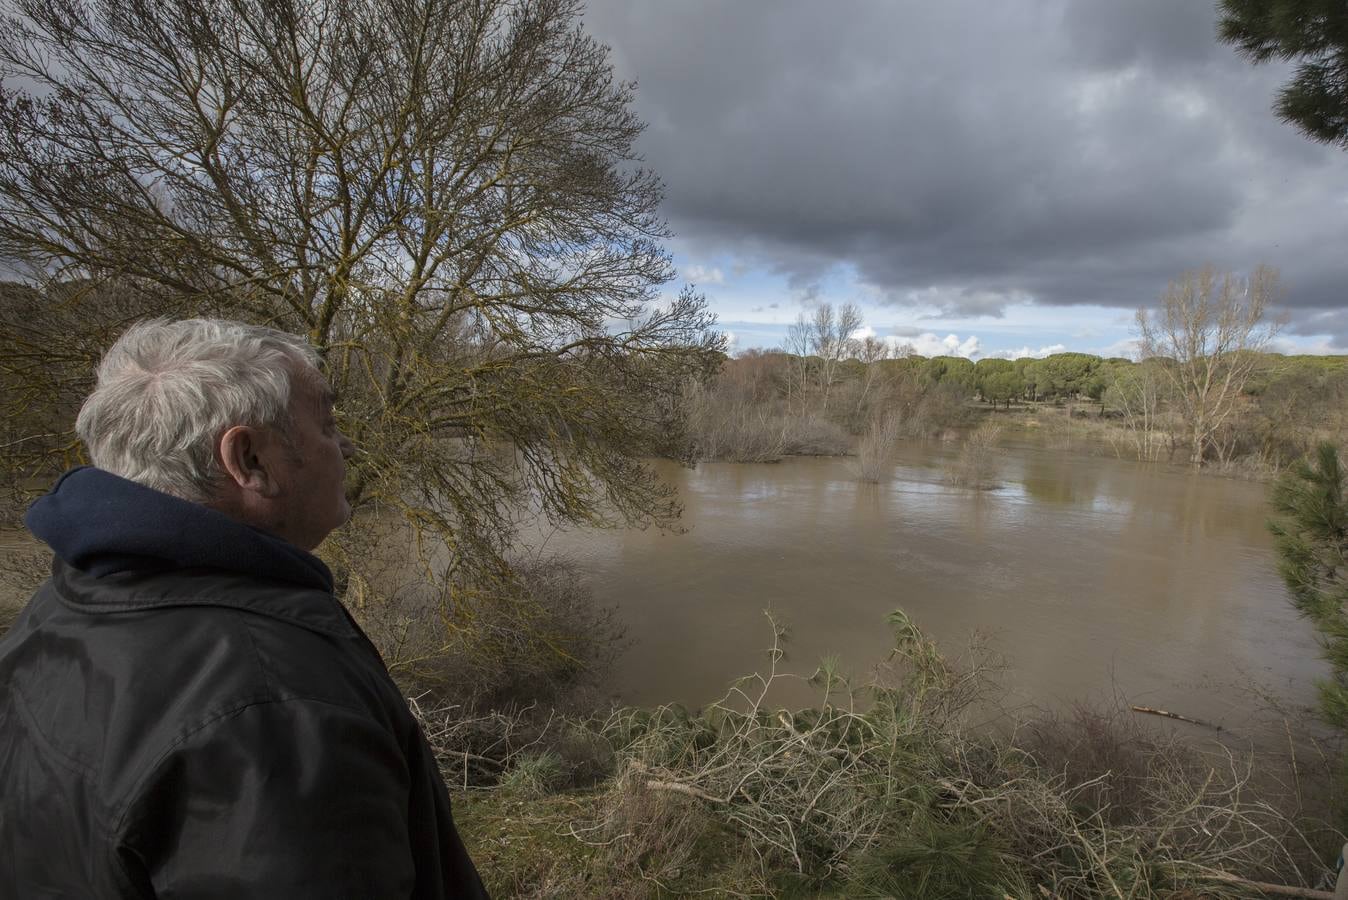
pixel 1023 352
pixel 704 275
pixel 862 333
pixel 928 344
pixel 1127 348
pixel 1291 346
pixel 730 340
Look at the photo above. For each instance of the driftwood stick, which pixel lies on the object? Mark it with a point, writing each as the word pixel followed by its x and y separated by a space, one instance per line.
pixel 678 788
pixel 660 784
pixel 1169 715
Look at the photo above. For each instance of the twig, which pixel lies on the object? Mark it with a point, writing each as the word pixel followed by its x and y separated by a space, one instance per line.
pixel 1169 715
pixel 1291 749
pixel 1277 890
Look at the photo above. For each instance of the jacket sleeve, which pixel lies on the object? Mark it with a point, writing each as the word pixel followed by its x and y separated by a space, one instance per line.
pixel 296 799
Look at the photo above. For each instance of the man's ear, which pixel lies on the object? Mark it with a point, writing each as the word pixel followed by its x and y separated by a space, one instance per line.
pixel 246 456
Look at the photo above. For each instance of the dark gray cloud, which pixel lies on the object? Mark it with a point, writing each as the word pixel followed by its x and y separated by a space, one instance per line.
pixel 1064 151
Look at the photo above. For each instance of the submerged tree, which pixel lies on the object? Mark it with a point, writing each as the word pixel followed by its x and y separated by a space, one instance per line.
pixel 1209 329
pixel 442 194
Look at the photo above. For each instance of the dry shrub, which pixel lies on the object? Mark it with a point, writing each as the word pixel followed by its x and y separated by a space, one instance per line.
pixel 875 451
pixel 654 835
pixel 734 429
pixel 976 465
pixel 936 409
pixel 536 637
pixel 1057 428
pixel 813 435
pixel 1105 751
pixel 730 424
pixel 882 791
pixel 477 749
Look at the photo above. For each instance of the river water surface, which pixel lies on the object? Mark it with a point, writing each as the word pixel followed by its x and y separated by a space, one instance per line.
pixel 1094 577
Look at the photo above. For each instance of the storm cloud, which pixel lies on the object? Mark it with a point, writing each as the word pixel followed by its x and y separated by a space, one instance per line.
pixel 967 156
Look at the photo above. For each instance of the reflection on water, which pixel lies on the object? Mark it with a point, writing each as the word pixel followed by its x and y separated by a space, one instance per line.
pixel 1092 575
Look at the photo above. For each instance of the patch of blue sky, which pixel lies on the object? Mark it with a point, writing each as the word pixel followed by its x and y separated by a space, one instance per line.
pixel 755 305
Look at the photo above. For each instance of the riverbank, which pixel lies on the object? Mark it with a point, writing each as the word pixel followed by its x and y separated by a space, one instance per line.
pixel 902 800
pixel 775 432
pixel 1085 427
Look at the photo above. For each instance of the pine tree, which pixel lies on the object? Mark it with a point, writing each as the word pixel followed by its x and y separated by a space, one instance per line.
pixel 1312 545
pixel 1315 34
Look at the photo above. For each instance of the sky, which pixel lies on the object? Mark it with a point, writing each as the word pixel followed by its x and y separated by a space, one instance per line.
pixel 981 179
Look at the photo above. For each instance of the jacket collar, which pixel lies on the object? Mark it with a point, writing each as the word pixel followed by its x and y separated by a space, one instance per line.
pixel 135 590
pixel 104 525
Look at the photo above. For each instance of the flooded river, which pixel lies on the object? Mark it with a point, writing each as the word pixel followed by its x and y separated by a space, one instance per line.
pixel 1094 577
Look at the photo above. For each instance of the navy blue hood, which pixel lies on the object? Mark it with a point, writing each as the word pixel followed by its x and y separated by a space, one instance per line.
pixel 101 523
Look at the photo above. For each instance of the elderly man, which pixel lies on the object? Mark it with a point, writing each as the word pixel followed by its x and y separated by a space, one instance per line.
pixel 186 710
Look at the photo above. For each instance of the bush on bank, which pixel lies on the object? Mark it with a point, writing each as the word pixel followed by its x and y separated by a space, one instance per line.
pixel 877 790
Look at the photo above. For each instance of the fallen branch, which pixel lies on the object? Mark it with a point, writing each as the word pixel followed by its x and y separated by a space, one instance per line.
pixel 1169 715
pixel 678 788
pixel 1277 890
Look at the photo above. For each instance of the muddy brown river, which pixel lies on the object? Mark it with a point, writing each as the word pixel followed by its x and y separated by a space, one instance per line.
pixel 1094 578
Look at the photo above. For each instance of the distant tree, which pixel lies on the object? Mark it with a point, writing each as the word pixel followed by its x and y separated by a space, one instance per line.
pixel 831 339
pixel 952 371
pixel 1315 34
pixel 1003 386
pixel 1027 366
pixel 871 352
pixel 797 347
pixel 1211 327
pixel 985 369
pixel 1065 375
pixel 443 196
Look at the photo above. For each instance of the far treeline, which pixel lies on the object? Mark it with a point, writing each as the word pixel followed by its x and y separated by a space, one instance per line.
pixel 1234 405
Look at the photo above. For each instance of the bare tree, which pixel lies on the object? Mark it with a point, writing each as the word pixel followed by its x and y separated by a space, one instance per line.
pixel 442 194
pixel 1137 391
pixel 1207 331
pixel 797 347
pixel 831 340
pixel 871 351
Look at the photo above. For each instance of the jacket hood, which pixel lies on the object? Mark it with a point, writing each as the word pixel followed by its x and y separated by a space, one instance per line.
pixel 101 524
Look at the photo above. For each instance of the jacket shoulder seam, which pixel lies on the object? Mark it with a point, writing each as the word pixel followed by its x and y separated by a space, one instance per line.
pixel 262 668
pixel 197 601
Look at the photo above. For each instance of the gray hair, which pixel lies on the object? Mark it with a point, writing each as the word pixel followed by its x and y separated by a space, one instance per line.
pixel 168 389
